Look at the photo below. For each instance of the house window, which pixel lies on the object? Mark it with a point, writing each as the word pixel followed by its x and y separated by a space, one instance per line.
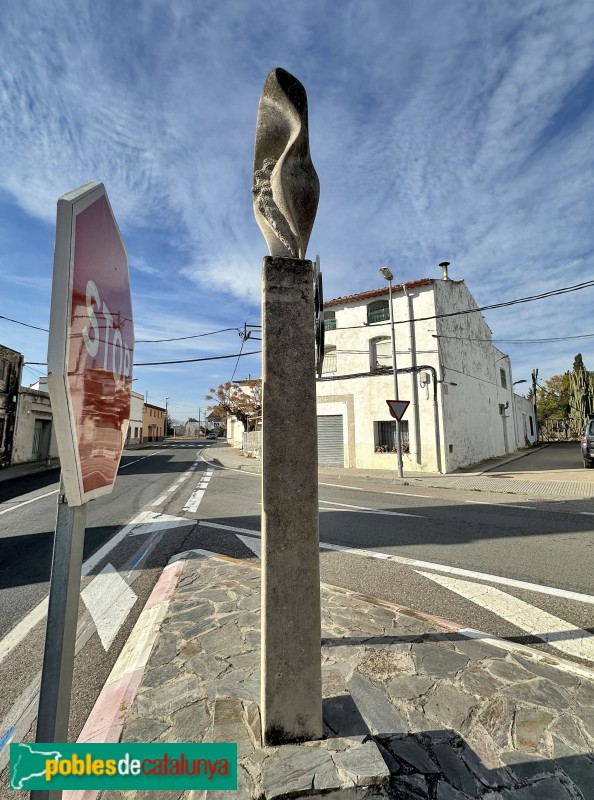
pixel 503 377
pixel 378 311
pixel 380 354
pixel 330 320
pixel 2 369
pixel 531 426
pixel 329 363
pixel 385 436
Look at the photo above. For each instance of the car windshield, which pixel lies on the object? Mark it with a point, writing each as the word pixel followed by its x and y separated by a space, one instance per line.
pixel 590 428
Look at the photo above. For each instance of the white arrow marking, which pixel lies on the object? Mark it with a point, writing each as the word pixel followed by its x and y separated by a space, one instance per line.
pixel 109 600
pixel 557 632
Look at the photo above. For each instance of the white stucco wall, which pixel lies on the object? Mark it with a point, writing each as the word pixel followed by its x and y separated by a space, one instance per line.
pixel 354 354
pixel 32 406
pixel 477 417
pixel 136 412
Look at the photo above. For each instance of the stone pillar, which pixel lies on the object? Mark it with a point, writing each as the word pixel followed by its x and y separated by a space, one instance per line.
pixel 291 624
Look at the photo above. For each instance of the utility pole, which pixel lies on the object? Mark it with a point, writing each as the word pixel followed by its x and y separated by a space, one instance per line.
pixel 389 277
pixel 165 426
pixel 534 377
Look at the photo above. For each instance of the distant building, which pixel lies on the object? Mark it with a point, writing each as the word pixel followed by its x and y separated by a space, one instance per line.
pixel 11 368
pixel 153 423
pixel 136 419
pixel 192 428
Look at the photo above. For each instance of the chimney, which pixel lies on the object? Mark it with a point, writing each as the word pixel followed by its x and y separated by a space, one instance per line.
pixel 444 268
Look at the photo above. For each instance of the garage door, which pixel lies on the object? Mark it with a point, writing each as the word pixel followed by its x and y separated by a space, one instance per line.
pixel 330 441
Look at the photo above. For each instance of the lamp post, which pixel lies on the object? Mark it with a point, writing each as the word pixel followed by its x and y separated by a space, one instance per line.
pixel 165 431
pixel 386 273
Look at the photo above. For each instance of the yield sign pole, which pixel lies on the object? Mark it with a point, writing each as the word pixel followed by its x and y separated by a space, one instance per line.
pixel 90 353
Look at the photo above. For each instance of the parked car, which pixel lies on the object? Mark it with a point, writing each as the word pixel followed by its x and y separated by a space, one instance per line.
pixel 211 435
pixel 588 443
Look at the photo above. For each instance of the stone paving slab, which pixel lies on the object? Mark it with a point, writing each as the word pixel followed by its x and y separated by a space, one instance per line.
pixel 411 710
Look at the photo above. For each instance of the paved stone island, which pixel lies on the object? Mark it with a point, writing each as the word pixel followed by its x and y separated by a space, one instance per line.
pixel 411 710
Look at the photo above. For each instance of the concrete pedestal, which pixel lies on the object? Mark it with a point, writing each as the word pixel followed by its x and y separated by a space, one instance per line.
pixel 291 628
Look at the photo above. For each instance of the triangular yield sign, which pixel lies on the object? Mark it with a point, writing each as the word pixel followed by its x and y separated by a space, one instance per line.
pixel 397 408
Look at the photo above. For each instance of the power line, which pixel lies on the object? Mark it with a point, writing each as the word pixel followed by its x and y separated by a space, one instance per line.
pixel 505 304
pixel 516 341
pixel 24 324
pixel 181 338
pixel 136 341
pixel 190 360
pixel 158 363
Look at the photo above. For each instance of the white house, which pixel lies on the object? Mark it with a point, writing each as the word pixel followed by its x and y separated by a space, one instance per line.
pixel 136 416
pixel 35 437
pixel 459 385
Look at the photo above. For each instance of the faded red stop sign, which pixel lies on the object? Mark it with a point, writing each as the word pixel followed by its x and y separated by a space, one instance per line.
pixel 91 343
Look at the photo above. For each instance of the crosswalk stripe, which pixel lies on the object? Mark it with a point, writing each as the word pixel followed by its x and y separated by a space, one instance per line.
pixel 554 631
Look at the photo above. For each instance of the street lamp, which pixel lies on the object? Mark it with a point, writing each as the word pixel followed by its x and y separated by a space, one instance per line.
pixel 386 273
pixel 515 383
pixel 165 431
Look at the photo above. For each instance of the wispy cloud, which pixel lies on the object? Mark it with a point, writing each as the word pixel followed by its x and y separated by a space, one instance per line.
pixel 439 130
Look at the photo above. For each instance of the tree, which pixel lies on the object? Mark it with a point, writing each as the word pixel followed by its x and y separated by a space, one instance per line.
pixel 241 401
pixel 553 398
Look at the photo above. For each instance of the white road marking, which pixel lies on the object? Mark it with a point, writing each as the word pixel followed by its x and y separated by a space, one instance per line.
pixel 194 501
pixel 500 505
pixel 26 502
pixel 160 500
pixel 218 525
pixel 372 510
pixel 467 573
pixel 414 562
pixel 20 631
pixel 253 543
pixel 109 600
pixel 587 513
pixel 410 494
pixel 198 493
pixel 158 522
pixel 556 632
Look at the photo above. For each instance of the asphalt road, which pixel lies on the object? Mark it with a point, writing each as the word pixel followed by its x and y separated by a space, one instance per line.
pixel 506 565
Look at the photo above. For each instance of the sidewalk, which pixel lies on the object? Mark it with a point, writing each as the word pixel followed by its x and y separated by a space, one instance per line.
pixel 29 468
pixel 414 707
pixel 476 481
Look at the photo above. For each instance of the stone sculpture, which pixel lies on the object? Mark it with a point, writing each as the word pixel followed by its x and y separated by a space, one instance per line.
pixel 286 188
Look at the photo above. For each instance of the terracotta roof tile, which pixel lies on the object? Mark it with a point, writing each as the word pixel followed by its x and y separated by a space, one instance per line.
pixel 397 287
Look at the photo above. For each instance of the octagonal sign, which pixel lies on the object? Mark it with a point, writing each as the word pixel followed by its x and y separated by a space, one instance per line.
pixel 91 343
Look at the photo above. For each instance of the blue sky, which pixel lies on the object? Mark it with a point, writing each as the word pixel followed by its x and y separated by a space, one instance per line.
pixel 460 131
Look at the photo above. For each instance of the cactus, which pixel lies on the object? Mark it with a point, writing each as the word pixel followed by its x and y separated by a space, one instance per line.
pixel 581 397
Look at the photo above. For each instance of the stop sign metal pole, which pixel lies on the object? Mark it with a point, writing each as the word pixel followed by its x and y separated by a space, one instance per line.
pixel 60 637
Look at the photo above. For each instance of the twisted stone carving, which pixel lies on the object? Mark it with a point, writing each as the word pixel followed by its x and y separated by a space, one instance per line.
pixel 286 188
